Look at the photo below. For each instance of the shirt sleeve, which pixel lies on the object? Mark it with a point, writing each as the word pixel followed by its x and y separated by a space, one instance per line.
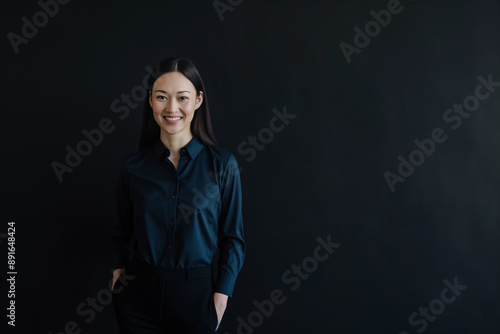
pixel 230 238
pixel 122 232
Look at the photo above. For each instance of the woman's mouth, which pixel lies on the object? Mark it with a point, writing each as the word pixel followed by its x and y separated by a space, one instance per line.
pixel 172 120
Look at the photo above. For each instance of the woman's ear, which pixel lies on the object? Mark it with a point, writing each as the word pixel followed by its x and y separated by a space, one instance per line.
pixel 199 100
pixel 150 100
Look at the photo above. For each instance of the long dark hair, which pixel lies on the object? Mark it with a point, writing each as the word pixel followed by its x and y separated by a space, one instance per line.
pixel 201 126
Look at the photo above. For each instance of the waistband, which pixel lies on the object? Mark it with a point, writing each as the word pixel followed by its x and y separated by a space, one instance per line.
pixel 175 274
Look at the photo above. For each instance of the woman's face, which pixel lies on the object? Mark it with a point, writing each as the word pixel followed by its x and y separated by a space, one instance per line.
pixel 174 101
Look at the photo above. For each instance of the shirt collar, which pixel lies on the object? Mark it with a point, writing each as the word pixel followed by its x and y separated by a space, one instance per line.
pixel 192 149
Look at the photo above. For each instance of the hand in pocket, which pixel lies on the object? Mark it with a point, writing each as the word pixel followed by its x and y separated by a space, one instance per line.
pixel 116 275
pixel 220 301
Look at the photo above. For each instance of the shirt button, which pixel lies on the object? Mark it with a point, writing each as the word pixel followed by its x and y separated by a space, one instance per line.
pixel 173 196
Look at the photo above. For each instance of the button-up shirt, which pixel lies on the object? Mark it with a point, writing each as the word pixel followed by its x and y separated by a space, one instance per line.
pixel 177 218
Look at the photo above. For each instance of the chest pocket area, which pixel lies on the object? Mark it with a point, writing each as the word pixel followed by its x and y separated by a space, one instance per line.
pixel 206 198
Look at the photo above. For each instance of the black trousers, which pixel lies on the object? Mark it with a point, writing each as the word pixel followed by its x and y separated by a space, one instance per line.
pixel 164 301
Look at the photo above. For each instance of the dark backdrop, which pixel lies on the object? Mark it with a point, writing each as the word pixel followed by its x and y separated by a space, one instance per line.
pixel 322 176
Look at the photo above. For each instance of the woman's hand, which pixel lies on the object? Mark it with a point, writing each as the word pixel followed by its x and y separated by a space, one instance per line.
pixel 220 301
pixel 116 274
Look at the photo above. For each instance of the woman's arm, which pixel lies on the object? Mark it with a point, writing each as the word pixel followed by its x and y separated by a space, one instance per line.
pixel 230 237
pixel 122 226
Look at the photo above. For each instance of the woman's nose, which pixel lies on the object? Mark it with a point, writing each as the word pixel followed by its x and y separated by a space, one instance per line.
pixel 171 105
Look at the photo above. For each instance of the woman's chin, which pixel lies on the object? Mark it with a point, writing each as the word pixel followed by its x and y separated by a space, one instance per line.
pixel 175 131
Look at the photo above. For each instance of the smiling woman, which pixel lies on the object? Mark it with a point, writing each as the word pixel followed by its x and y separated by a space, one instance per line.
pixel 170 253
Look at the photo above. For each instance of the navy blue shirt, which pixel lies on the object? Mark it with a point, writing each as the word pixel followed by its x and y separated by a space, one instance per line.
pixel 178 218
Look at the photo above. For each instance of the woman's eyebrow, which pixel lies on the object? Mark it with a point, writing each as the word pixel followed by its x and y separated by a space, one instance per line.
pixel 181 91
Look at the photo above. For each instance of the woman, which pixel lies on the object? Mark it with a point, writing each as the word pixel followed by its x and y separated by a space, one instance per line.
pixel 179 203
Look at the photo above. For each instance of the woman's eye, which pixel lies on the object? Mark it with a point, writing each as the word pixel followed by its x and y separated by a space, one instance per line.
pixel 183 98
pixel 161 97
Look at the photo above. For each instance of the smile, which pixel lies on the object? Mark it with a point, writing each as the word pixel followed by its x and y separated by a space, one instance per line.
pixel 172 119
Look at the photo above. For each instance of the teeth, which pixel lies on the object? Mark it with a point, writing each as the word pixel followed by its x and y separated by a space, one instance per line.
pixel 172 118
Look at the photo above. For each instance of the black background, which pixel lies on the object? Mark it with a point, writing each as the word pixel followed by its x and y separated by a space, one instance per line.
pixel 322 175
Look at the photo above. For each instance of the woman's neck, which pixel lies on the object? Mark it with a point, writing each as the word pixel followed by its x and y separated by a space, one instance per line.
pixel 174 143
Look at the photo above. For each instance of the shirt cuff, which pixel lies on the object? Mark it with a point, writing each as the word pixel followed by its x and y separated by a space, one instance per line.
pixel 225 284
